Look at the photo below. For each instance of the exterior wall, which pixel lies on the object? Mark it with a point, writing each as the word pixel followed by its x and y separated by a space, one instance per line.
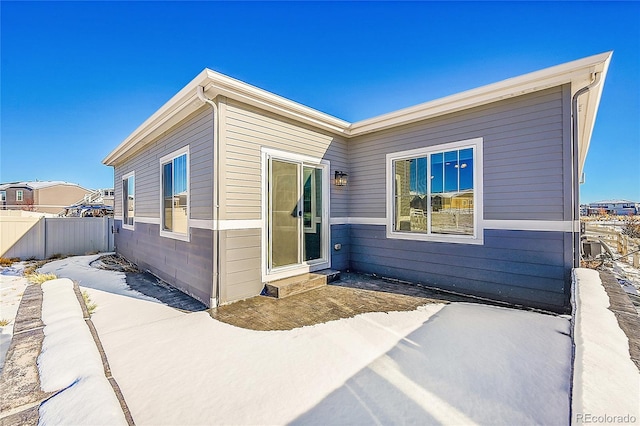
pixel 526 174
pixel 240 264
pixel 195 131
pixel 526 178
pixel 54 199
pixel 12 202
pixel 187 265
pixel 524 267
pixel 244 131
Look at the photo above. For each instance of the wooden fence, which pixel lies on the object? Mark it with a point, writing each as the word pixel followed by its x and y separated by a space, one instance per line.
pixel 623 244
pixel 41 238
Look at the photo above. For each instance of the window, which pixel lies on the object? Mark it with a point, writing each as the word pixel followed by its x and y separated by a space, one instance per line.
pixel 3 195
pixel 433 193
pixel 19 195
pixel 128 200
pixel 175 193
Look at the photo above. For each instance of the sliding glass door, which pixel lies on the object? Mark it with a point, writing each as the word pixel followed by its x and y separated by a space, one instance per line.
pixel 296 215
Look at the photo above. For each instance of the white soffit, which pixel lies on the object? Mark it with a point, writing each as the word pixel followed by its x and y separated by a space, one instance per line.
pixel 186 102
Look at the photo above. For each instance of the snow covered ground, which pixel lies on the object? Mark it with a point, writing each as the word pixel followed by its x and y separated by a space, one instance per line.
pixel 12 285
pixel 452 364
pixel 70 363
pixel 606 381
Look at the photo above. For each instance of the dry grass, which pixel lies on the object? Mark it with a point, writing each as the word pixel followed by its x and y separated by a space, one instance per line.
pixel 91 307
pixel 8 261
pixel 4 322
pixel 38 278
pixel 31 269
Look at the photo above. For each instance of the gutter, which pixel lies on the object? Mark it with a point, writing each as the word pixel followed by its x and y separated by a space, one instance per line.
pixel 574 162
pixel 214 302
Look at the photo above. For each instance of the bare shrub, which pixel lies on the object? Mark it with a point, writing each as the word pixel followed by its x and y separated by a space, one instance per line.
pixel 631 227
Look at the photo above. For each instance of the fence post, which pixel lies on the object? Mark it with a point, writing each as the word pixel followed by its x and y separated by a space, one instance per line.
pixel 42 223
pixel 625 249
pixel 619 246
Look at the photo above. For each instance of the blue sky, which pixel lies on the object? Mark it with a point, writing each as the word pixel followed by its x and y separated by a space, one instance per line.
pixel 77 78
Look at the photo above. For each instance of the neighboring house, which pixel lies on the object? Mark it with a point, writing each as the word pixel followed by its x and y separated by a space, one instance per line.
pixel 43 197
pixel 584 209
pixel 228 186
pixel 106 196
pixel 614 207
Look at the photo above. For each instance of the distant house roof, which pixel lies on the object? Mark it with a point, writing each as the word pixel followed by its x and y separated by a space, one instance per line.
pixel 579 74
pixel 38 184
pixel 614 202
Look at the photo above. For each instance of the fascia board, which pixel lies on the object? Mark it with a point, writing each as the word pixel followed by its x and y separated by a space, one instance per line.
pixel 186 101
pixel 592 103
pixel 178 102
pixel 516 86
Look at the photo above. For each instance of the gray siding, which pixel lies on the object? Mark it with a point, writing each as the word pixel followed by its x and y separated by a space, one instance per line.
pixel 523 156
pixel 195 131
pixel 525 178
pixel 515 266
pixel 185 265
pixel 245 131
pixel 240 264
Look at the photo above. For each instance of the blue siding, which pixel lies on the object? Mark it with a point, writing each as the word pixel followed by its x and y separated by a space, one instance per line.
pixel 186 265
pixel 340 258
pixel 524 267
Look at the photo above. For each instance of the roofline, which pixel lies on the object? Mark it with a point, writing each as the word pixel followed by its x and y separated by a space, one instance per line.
pixel 186 102
pixel 516 86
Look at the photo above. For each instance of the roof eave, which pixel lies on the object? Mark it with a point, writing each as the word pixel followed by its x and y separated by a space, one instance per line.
pixel 590 102
pixel 186 101
pixel 527 83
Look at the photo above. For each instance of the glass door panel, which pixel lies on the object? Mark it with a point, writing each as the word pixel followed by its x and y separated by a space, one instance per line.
pixel 312 212
pixel 284 213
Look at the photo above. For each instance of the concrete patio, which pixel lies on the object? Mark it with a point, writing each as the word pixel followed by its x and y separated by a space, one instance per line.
pixel 351 295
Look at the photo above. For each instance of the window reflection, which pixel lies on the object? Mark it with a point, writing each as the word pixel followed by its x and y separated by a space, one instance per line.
pixel 174 195
pixel 442 204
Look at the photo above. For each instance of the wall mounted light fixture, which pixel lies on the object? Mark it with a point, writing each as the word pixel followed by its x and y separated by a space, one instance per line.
pixel 340 178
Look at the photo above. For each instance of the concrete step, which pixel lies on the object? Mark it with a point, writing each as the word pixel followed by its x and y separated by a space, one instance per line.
pixel 300 283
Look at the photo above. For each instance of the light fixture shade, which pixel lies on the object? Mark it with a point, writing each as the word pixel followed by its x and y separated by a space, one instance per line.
pixel 340 178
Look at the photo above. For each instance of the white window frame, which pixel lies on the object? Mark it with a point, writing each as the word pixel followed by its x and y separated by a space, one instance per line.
pixel 164 160
pixel 3 195
pixel 124 204
pixel 19 195
pixel 478 227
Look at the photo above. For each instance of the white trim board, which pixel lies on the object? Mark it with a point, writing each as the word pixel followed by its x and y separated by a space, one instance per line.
pixel 151 220
pixel 358 221
pixel 508 225
pixel 531 225
pixel 224 225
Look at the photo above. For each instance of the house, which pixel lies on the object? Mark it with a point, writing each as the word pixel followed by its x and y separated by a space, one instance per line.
pixel 227 187
pixel 40 196
pixel 614 207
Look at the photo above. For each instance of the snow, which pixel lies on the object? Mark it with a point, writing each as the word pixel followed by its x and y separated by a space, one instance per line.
pixel 80 270
pixel 459 363
pixel 12 285
pixel 69 361
pixel 606 381
pixel 439 364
